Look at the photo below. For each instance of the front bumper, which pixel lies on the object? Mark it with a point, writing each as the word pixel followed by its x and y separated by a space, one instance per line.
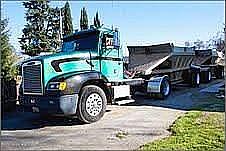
pixel 66 104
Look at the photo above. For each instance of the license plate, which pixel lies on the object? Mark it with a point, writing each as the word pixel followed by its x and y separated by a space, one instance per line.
pixel 35 109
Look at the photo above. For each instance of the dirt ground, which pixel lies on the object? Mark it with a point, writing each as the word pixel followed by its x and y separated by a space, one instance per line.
pixel 122 128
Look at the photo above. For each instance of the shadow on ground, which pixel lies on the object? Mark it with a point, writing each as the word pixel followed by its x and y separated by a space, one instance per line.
pixel 19 120
pixel 185 98
pixel 182 98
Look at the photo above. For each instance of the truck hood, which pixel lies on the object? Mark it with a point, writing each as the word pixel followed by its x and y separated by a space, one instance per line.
pixel 63 63
pixel 81 54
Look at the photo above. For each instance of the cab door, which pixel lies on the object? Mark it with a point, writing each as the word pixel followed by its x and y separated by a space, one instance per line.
pixel 111 63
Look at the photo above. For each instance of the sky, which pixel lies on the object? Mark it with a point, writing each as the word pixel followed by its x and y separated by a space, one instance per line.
pixel 139 23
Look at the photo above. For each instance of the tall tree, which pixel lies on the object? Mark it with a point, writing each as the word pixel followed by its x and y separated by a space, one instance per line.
pixel 41 33
pixel 84 19
pixel 97 21
pixel 67 20
pixel 53 34
pixel 8 58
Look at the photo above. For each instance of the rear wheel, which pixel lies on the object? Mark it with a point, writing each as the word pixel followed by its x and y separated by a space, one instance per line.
pixel 165 89
pixel 195 79
pixel 209 76
pixel 92 104
pixel 219 72
pixel 206 76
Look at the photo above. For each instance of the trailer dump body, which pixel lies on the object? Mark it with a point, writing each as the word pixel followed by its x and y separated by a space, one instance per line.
pixel 204 57
pixel 159 59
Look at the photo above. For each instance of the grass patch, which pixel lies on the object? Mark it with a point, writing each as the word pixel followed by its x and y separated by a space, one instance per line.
pixel 195 130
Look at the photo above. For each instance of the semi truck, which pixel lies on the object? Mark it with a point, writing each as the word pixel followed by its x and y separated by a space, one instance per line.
pixel 89 73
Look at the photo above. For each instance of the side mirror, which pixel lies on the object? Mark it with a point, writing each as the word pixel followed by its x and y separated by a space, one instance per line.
pixel 107 42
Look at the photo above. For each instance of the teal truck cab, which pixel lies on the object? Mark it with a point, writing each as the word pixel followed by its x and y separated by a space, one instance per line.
pixel 79 80
pixel 83 78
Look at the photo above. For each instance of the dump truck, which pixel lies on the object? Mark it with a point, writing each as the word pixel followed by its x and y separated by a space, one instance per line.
pixel 89 73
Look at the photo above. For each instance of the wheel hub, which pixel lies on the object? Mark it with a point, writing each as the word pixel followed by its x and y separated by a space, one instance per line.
pixel 197 78
pixel 209 76
pixel 94 104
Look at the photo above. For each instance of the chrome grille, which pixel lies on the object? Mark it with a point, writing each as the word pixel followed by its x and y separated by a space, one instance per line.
pixel 32 78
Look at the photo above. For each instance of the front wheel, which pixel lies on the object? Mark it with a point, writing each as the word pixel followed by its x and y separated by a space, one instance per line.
pixel 92 104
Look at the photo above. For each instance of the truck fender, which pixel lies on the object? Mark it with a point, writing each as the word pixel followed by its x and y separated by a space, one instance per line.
pixel 159 86
pixel 75 81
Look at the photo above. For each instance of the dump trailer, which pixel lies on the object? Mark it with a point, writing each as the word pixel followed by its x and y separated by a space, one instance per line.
pixel 89 73
pixel 164 59
pixel 209 63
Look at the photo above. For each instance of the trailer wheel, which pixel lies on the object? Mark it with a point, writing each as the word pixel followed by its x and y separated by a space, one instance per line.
pixel 92 104
pixel 165 90
pixel 195 79
pixel 132 90
pixel 205 76
pixel 219 72
pixel 209 76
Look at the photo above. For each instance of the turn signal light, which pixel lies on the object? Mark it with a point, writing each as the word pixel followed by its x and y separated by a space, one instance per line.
pixel 62 86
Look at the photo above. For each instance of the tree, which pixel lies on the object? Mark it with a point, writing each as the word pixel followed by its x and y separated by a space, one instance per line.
pixel 199 44
pixel 42 31
pixel 8 58
pixel 97 21
pixel 67 20
pixel 84 19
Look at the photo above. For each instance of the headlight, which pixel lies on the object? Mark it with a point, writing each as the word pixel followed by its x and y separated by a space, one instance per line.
pixel 57 85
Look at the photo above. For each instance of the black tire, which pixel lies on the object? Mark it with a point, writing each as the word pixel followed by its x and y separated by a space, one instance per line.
pixel 86 93
pixel 132 90
pixel 219 72
pixel 195 79
pixel 205 76
pixel 209 76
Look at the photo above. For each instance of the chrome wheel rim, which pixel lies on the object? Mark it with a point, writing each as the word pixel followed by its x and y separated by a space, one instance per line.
pixel 94 104
pixel 209 76
pixel 197 78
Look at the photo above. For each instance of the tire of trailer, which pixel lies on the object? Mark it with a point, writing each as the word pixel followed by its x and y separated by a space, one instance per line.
pixel 92 104
pixel 209 76
pixel 165 89
pixel 219 72
pixel 195 78
pixel 206 76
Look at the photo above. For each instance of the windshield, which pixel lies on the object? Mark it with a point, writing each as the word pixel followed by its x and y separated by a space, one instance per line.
pixel 81 42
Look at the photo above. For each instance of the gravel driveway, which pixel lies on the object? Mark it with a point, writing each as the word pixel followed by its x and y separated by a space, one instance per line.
pixel 122 127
